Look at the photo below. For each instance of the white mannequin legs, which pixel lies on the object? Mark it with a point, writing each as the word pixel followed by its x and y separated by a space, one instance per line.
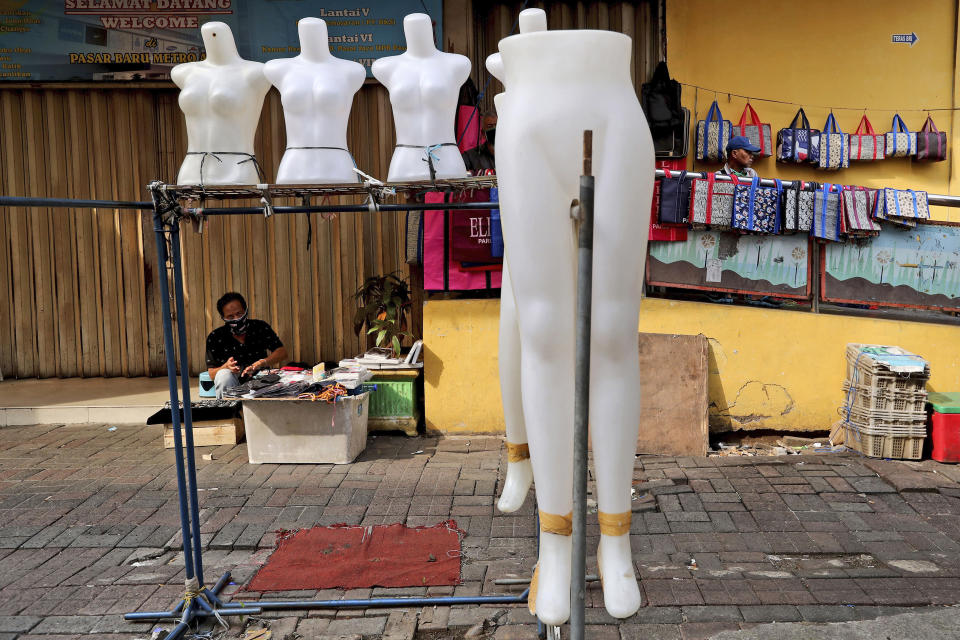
pixel 558 85
pixel 519 470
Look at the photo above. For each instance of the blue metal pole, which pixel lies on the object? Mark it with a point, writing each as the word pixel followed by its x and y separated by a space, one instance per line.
pixel 158 228
pixel 187 411
pixel 268 605
pixel 168 615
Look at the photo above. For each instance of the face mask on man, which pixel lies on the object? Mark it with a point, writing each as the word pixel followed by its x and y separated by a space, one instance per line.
pixel 490 134
pixel 238 326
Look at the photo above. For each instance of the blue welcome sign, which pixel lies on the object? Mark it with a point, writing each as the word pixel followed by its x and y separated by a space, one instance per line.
pixel 109 40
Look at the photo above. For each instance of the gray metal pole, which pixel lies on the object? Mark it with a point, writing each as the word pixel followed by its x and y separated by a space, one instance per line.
pixel 578 576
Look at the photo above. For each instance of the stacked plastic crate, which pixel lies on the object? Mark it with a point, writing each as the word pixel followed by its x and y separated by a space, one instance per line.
pixel 884 411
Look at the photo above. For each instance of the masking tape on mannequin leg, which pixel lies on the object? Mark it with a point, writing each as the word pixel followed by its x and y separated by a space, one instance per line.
pixel 614 524
pixel 532 594
pixel 518 452
pixel 560 525
pixel 549 523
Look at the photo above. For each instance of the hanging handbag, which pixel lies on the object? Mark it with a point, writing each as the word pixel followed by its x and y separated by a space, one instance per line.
pixel 755 208
pixel 712 202
pixel 834 146
pixel 906 204
pixel 660 232
pixel 674 199
pixel 470 239
pixel 826 213
pixel 931 143
pixel 713 134
pixel 440 271
pixel 468 117
pixel 880 213
pixel 496 230
pixel 660 99
pixel 857 205
pixel 865 144
pixel 758 133
pixel 798 143
pixel 798 206
pixel 900 142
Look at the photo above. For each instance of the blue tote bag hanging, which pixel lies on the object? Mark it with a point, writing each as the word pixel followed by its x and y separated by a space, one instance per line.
pixel 674 199
pixel 756 208
pixel 713 135
pixel 901 142
pixel 826 213
pixel 834 146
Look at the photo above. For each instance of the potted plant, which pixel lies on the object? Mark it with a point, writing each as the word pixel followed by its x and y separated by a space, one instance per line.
pixel 383 302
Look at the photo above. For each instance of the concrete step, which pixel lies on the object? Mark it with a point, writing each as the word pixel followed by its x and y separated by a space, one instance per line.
pixel 81 400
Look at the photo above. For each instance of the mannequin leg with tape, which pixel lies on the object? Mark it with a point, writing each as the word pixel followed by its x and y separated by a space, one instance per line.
pixel 519 470
pixel 618 261
pixel 540 257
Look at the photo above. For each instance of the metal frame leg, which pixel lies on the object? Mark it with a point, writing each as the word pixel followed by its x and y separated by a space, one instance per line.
pixel 199 602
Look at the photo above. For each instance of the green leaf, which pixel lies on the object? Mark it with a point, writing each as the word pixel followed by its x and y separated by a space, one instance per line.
pixel 380 337
pixel 396 345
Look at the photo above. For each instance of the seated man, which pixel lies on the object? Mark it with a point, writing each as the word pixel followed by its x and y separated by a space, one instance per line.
pixel 242 346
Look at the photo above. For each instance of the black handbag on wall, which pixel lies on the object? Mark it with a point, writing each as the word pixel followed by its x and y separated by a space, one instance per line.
pixel 674 199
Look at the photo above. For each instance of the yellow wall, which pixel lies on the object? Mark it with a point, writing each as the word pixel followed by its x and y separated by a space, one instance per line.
pixel 827 53
pixel 769 369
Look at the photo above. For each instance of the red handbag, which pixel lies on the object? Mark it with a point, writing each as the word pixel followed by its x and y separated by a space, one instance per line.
pixel 758 133
pixel 866 144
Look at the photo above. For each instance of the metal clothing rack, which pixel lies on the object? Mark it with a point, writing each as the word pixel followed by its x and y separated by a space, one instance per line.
pixel 167 203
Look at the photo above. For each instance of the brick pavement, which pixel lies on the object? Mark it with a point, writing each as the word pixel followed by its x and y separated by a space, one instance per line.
pixel 89 530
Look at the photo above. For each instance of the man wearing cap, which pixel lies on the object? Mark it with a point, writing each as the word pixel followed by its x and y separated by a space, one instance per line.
pixel 740 155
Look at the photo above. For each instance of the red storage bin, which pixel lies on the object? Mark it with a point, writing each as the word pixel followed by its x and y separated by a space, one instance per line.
pixel 945 426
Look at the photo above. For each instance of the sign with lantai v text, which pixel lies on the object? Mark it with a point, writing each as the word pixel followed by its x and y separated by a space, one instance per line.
pixel 109 40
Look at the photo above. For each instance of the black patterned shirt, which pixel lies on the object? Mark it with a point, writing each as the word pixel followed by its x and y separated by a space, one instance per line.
pixel 221 345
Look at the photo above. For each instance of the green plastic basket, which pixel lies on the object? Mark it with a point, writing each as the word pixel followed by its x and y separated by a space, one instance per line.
pixel 392 398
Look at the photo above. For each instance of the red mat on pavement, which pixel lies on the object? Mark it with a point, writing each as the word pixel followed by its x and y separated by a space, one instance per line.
pixel 351 557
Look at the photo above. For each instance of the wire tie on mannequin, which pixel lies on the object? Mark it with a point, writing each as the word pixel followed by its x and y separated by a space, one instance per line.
pixel 267 205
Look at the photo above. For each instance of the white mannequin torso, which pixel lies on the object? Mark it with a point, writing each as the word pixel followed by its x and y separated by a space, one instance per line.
pixel 317 92
pixel 221 98
pixel 424 85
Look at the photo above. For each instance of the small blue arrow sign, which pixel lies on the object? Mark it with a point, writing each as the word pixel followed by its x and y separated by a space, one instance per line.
pixel 907 38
